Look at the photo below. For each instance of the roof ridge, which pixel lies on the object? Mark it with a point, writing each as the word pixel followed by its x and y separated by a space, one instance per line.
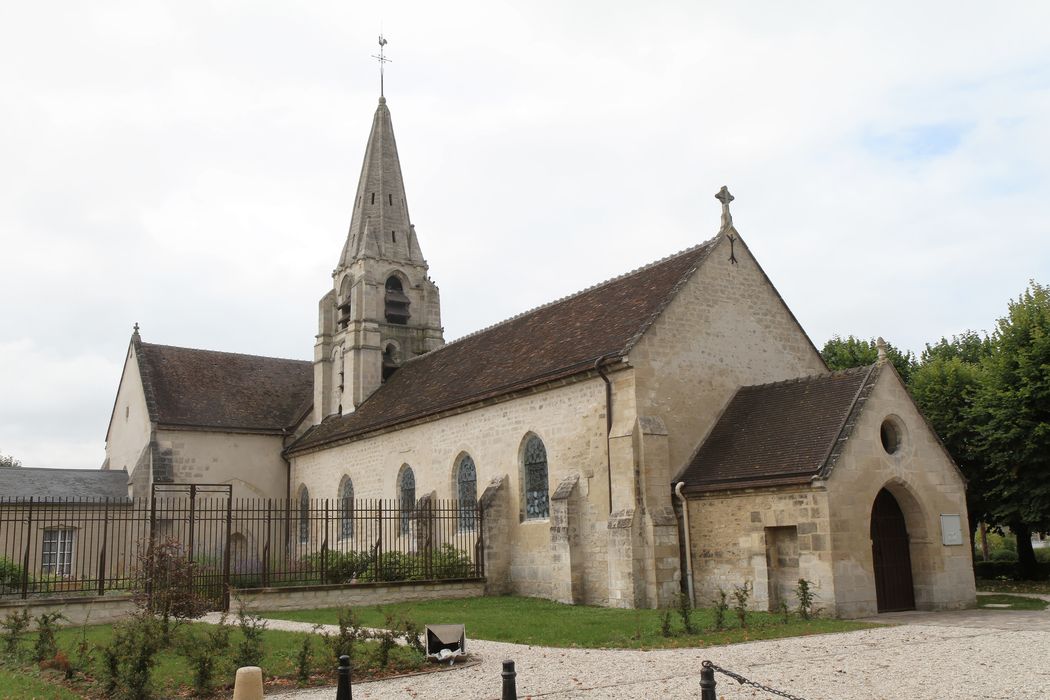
pixel 224 352
pixel 806 377
pixel 573 295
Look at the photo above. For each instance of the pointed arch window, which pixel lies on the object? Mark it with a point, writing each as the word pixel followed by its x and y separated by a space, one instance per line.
pixel 391 360
pixel 346 508
pixel 406 489
pixel 397 301
pixel 343 301
pixel 467 492
pixel 304 515
pixel 537 496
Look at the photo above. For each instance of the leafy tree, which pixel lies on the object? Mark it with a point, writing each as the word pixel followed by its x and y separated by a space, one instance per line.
pixel 9 462
pixel 1012 408
pixel 945 384
pixel 843 353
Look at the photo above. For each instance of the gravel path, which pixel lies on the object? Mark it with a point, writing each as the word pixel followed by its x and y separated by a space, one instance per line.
pixel 939 656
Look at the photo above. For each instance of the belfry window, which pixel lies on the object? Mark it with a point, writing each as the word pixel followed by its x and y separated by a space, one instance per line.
pixel 343 301
pixel 537 496
pixel 466 491
pixel 396 302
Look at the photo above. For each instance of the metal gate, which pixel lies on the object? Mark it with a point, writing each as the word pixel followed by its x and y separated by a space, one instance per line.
pixel 195 520
pixel 891 555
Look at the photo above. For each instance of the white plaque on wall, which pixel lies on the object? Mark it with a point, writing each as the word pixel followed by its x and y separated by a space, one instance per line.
pixel 951 529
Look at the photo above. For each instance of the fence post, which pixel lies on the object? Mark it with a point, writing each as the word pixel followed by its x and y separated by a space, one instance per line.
pixel 152 542
pixel 707 682
pixel 266 549
pixel 344 691
pixel 102 554
pixel 510 689
pixel 479 543
pixel 324 546
pixel 226 553
pixel 379 543
pixel 25 557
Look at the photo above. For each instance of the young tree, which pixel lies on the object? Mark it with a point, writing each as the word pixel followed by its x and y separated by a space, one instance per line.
pixel 843 353
pixel 8 462
pixel 1013 410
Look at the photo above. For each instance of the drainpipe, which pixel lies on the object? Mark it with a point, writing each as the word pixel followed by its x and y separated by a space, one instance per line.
pixel 608 424
pixel 688 547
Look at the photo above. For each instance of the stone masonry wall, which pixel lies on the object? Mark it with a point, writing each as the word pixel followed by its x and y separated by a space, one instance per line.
pixel 251 463
pixel 357 595
pixel 729 545
pixel 925 483
pixel 570 419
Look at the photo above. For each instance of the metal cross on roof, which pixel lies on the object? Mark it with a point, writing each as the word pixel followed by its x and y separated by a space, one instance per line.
pixel 725 198
pixel 382 60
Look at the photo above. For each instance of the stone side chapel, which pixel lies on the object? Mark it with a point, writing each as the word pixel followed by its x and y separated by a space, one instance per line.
pixel 671 429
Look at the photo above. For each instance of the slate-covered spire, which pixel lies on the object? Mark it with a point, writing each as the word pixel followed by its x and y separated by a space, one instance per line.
pixel 380 226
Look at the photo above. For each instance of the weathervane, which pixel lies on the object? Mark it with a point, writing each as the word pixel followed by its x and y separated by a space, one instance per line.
pixel 382 60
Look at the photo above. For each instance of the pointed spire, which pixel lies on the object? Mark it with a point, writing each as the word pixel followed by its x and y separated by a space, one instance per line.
pixel 380 226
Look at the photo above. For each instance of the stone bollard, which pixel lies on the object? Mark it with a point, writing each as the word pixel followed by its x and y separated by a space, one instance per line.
pixel 248 684
pixel 510 688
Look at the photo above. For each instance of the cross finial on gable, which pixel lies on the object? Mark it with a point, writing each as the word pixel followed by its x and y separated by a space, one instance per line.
pixel 725 198
pixel 881 345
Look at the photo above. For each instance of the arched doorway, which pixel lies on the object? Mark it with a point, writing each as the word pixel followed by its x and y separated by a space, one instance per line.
pixel 894 589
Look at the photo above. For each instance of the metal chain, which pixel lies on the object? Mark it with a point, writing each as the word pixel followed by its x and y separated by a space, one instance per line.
pixel 744 681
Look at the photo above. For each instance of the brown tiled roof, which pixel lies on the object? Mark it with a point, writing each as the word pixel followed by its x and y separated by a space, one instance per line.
pixel 558 340
pixel 779 433
pixel 204 388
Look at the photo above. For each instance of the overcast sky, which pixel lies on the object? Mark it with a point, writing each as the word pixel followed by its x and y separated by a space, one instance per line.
pixel 191 166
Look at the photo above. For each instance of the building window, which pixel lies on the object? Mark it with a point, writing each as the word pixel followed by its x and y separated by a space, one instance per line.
pixel 304 515
pixel 406 488
pixel 466 492
pixel 57 557
pixel 397 302
pixel 346 508
pixel 890 434
pixel 537 498
pixel 391 360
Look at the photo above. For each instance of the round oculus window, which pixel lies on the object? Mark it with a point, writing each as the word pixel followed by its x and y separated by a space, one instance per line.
pixel 890 432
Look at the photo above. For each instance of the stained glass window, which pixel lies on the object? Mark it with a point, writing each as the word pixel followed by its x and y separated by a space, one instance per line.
pixel 407 489
pixel 537 498
pixel 304 515
pixel 346 508
pixel 466 492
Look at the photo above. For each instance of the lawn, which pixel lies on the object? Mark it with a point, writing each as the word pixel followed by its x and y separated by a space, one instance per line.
pixel 1013 586
pixel 1015 602
pixel 546 623
pixel 172 675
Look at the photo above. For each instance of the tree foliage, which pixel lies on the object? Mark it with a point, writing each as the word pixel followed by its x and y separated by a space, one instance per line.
pixel 9 462
pixel 843 353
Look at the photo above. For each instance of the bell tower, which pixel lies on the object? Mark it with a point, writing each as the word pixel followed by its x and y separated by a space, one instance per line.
pixel 383 308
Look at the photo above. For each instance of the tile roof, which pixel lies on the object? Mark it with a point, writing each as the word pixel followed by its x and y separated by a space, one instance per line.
pixel 224 390
pixel 554 341
pixel 783 432
pixel 51 484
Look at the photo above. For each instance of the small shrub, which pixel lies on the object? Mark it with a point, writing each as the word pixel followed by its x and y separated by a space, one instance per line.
pixel 685 611
pixel 250 650
pixel 741 594
pixel 304 661
pixel 129 658
pixel 387 641
pixel 721 606
pixel 349 634
pixel 805 595
pixel 11 575
pixel 59 662
pixel 166 586
pixel 449 562
pixel 344 567
pixel 46 647
pixel 410 631
pixel 1003 555
pixel 206 654
pixel 84 652
pixel 665 623
pixel 14 628
pixel 784 612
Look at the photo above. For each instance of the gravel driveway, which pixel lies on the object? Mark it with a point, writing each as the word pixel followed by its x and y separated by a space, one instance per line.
pixel 940 656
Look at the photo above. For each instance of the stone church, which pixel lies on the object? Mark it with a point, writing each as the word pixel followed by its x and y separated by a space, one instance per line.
pixel 671 429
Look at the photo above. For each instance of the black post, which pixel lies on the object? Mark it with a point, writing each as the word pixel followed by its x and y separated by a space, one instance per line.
pixel 344 690
pixel 510 689
pixel 707 683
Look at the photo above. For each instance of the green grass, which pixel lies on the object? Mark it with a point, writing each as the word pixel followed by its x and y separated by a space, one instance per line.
pixel 172 676
pixel 545 623
pixel 1013 586
pixel 1015 602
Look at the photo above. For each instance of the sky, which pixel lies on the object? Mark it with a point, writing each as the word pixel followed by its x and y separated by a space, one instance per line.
pixel 191 167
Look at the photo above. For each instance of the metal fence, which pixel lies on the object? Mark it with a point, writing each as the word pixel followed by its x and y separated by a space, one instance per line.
pixel 92 547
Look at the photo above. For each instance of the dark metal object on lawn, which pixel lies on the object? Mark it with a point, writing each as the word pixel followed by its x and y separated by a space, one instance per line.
pixel 707 675
pixel 510 688
pixel 344 691
pixel 451 639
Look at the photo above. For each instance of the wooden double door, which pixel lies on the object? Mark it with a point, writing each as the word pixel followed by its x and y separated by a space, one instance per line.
pixel 894 588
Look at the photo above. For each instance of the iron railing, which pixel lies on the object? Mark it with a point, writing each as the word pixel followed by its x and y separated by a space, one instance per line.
pixel 94 547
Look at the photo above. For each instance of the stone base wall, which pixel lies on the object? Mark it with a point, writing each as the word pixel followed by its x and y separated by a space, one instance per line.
pixel 307 597
pixel 77 610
